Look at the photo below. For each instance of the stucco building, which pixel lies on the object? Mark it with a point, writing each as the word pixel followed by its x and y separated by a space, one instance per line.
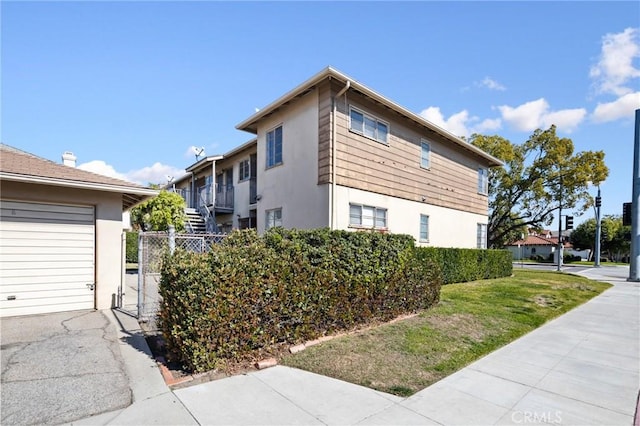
pixel 334 153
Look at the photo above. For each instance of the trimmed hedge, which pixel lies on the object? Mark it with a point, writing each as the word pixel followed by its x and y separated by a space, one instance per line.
pixel 251 293
pixel 464 265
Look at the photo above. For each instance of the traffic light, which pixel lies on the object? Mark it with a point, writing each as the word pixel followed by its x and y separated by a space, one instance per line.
pixel 598 201
pixel 626 214
pixel 569 222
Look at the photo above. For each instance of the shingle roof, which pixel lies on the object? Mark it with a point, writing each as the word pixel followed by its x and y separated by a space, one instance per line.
pixel 19 165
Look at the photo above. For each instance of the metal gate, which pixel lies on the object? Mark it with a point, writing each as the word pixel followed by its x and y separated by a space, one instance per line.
pixel 152 247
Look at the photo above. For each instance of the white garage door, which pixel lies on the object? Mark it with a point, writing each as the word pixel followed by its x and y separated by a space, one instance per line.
pixel 46 258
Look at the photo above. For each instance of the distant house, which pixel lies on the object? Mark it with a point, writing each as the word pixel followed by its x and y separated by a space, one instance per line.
pixel 60 234
pixel 542 244
pixel 334 153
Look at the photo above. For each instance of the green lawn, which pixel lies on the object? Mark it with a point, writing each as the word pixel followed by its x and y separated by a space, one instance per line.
pixel 471 320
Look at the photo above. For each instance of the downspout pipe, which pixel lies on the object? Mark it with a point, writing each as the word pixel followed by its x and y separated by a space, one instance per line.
pixel 334 156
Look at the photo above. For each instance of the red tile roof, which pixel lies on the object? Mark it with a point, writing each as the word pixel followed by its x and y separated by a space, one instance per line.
pixel 538 240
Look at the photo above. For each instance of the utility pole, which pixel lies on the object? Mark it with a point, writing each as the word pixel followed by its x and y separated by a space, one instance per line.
pixel 598 229
pixel 635 204
pixel 560 244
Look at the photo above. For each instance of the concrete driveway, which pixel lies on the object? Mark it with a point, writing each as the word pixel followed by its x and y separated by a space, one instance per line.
pixel 60 367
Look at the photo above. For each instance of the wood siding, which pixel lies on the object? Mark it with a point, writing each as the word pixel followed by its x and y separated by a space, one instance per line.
pixel 324 132
pixel 394 169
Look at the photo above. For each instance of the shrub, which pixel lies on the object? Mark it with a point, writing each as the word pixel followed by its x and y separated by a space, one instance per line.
pixel 131 247
pixel 251 293
pixel 462 265
pixel 568 258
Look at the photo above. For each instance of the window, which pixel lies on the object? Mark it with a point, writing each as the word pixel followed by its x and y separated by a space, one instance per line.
pixel 367 216
pixel 244 170
pixel 368 126
pixel 424 228
pixel 481 236
pixel 425 157
pixel 483 181
pixel 274 218
pixel 274 147
pixel 220 182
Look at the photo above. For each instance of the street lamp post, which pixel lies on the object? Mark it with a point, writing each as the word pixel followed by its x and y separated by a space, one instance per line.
pixel 598 229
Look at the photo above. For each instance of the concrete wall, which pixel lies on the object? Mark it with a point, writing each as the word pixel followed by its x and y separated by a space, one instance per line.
pixel 447 227
pixel 293 185
pixel 108 228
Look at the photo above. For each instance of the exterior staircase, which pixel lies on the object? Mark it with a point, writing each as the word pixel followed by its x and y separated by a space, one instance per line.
pixel 194 223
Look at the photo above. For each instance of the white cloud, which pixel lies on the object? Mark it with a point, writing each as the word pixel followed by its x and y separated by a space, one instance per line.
pixel 566 120
pixel 157 173
pixel 536 114
pixel 490 83
pixel 615 65
pixel 623 107
pixel 460 123
pixel 487 125
pixel 525 117
pixel 102 168
pixel 456 124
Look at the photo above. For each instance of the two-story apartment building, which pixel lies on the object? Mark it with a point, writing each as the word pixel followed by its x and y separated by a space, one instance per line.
pixel 222 188
pixel 334 153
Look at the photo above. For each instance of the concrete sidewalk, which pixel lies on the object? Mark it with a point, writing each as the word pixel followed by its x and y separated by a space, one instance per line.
pixel 581 368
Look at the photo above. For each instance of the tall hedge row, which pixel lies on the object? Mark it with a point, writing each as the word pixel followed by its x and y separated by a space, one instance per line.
pixel 464 265
pixel 252 292
pixel 287 286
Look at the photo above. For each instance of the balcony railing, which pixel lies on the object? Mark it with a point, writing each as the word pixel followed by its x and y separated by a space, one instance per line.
pixel 185 193
pixel 253 190
pixel 223 196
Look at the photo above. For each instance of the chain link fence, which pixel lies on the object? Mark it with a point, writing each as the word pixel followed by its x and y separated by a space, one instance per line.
pixel 152 246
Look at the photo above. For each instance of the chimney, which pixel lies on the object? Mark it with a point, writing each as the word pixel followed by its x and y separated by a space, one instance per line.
pixel 68 159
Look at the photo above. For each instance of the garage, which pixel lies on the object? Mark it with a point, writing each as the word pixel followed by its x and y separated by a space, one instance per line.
pixel 61 234
pixel 48 258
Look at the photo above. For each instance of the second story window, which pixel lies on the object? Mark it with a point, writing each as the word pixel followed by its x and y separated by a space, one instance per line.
pixel 368 126
pixel 425 156
pixel 483 181
pixel 274 147
pixel 244 170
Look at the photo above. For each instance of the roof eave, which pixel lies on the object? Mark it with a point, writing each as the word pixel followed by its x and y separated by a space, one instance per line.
pixel 131 195
pixel 202 162
pixel 250 124
pixel 241 148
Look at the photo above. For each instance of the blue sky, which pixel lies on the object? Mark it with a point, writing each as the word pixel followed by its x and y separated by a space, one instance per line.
pixel 130 87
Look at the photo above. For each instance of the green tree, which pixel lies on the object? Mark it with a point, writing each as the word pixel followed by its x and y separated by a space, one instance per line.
pixel 536 177
pixel 584 236
pixel 156 214
pixel 615 239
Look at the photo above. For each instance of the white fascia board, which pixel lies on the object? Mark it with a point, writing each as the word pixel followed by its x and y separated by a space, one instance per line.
pixel 331 72
pixel 78 184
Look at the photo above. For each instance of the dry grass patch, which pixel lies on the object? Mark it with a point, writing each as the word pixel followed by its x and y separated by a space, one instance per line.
pixel 471 320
